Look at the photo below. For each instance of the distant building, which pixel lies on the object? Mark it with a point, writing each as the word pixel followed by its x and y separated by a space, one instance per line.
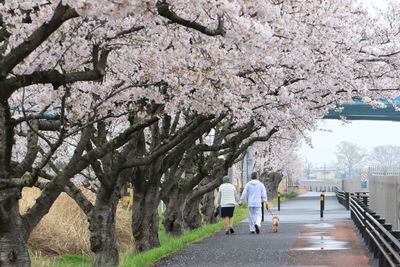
pixel 320 174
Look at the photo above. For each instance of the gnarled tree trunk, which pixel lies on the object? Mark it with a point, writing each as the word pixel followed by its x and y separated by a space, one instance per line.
pixel 191 213
pixel 207 208
pixel 173 218
pixel 145 218
pixel 13 236
pixel 103 238
pixel 271 181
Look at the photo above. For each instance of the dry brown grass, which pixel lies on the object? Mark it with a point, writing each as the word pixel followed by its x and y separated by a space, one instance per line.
pixel 282 188
pixel 301 191
pixel 64 230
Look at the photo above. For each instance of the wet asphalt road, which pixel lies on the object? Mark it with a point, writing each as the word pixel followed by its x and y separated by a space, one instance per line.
pixel 265 249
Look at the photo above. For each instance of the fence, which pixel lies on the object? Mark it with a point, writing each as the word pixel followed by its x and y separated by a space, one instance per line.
pixel 384 171
pixel 319 186
pixel 385 196
pixel 378 235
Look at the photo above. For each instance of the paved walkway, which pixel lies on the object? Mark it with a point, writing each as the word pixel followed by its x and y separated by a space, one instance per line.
pixel 303 240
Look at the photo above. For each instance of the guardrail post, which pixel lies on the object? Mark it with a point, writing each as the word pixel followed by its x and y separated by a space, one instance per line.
pixel 321 206
pixel 363 229
pixel 365 199
pixel 396 234
pixel 351 198
pixel 376 248
pixel 346 200
pixel 371 241
pixel 382 259
pixel 279 201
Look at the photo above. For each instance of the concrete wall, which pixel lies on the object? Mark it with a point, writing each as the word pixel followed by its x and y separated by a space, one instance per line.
pixel 318 186
pixel 353 185
pixel 384 197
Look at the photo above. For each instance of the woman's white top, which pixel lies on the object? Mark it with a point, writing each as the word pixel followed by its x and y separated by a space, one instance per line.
pixel 227 196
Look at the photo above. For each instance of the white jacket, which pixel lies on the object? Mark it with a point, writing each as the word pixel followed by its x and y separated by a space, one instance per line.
pixel 254 192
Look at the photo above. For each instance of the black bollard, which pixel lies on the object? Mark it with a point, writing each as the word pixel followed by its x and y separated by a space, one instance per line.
pixel 279 201
pixel 322 206
pixel 262 210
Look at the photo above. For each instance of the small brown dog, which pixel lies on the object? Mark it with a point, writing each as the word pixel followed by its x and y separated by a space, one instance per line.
pixel 275 224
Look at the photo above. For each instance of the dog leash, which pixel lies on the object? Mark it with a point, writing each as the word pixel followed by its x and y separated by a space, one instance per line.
pixel 270 212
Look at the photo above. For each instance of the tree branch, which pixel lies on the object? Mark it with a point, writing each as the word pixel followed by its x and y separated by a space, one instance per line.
pixel 79 197
pixel 54 77
pixel 61 14
pixel 25 180
pixel 164 10
pixel 32 150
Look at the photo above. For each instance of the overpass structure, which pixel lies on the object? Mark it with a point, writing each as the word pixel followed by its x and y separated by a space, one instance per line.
pixel 361 111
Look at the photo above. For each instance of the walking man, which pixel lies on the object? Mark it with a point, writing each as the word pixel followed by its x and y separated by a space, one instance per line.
pixel 254 192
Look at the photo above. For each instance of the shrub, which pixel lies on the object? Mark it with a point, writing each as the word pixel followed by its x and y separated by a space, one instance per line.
pixel 290 195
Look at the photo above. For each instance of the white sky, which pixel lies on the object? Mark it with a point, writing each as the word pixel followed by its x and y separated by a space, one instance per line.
pixel 376 3
pixel 367 134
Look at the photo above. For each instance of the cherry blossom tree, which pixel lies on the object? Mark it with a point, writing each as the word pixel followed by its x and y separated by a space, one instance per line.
pixel 278 63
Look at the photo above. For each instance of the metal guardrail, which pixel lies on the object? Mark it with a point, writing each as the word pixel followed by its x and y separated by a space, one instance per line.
pixel 343 198
pixel 378 235
pixel 319 188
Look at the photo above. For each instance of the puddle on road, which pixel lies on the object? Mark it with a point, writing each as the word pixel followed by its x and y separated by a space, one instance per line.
pixel 320 239
pixel 320 225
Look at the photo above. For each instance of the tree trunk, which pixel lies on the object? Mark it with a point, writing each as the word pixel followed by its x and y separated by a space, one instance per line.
pixel 103 238
pixel 173 218
pixel 13 236
pixel 145 218
pixel 207 208
pixel 191 213
pixel 271 181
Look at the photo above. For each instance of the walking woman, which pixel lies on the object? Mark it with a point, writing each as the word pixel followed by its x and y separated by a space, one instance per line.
pixel 227 199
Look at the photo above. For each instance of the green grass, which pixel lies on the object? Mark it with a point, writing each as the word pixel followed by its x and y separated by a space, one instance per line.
pixel 62 261
pixel 284 197
pixel 290 195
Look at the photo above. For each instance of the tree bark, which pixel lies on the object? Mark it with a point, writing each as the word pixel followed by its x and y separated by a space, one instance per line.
pixel 191 213
pixel 145 218
pixel 13 235
pixel 207 208
pixel 271 181
pixel 173 218
pixel 103 238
